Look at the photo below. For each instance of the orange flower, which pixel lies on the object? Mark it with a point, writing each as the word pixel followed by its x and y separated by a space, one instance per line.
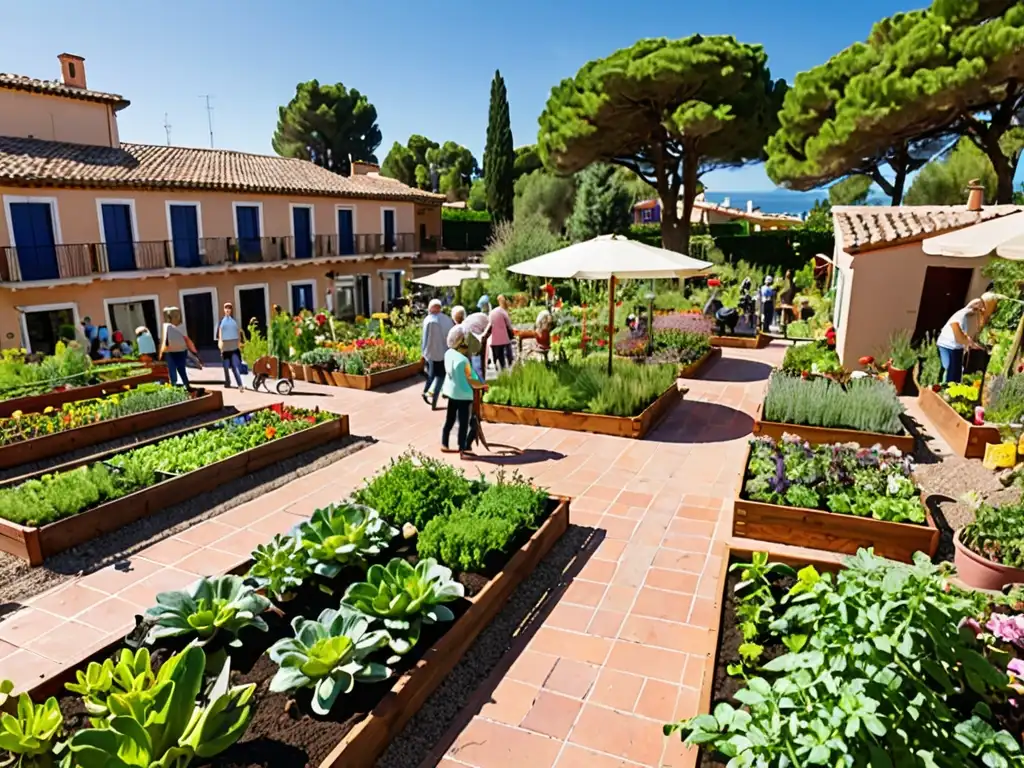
pixel 271 431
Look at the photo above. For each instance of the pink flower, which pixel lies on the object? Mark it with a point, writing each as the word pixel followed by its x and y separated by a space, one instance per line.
pixel 1016 668
pixel 973 625
pixel 1009 629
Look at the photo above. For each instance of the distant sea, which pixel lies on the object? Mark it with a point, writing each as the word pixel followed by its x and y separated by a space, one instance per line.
pixel 775 200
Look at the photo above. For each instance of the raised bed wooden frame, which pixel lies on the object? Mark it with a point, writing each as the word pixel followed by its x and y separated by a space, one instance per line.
pixel 369 738
pixel 829 531
pixel 965 439
pixel 760 341
pixel 825 435
pixel 47 446
pixel 38 403
pixel 36 544
pixel 635 427
pixel 690 371
pixel 315 374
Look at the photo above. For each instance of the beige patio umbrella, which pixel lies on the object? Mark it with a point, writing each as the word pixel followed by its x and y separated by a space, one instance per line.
pixel 612 258
pixel 452 278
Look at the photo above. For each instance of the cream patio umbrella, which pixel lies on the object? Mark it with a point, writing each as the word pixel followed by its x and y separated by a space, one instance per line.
pixel 1003 236
pixel 452 278
pixel 612 258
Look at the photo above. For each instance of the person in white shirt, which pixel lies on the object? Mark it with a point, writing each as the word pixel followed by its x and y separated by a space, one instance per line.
pixel 960 333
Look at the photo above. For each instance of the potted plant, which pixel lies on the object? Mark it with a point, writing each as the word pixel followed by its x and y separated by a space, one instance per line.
pixel 990 551
pixel 901 359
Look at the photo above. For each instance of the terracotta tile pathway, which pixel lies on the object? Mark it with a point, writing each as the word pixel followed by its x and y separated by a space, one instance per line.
pixel 622 650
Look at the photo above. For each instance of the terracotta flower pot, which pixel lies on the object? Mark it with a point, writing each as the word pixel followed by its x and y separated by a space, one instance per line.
pixel 898 377
pixel 980 572
pixel 314 374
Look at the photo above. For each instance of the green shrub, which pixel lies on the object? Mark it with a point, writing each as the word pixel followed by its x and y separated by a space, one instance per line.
pixel 256 344
pixel 930 372
pixel 997 534
pixel 583 386
pixel 1006 404
pixel 415 489
pixel 867 404
pixel 462 540
pixel 815 357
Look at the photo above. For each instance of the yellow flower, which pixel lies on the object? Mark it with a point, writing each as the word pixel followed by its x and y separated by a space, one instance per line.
pixel 16 415
pixel 380 315
pixel 48 409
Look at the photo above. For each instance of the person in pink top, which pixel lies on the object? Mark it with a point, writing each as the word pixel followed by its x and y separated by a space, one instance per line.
pixel 501 334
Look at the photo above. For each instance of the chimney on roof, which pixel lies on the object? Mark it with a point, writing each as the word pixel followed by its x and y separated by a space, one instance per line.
pixel 725 202
pixel 975 195
pixel 72 70
pixel 361 167
pixel 750 206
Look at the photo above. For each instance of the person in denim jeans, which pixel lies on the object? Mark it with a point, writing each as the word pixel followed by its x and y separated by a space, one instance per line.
pixel 433 347
pixel 229 340
pixel 175 346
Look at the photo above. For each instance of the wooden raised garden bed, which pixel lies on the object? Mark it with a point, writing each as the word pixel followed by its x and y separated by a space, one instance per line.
pixel 965 439
pixel 318 375
pixel 690 371
pixel 46 446
pixel 830 531
pixel 634 427
pixel 38 403
pixel 760 341
pixel 36 544
pixel 368 738
pixel 823 435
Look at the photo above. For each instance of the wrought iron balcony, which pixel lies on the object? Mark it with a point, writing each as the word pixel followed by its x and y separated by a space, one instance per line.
pixel 56 262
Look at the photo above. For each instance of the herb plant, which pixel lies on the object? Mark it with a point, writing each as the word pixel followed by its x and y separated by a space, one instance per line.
pixel 997 534
pixel 901 353
pixel 328 655
pixel 210 606
pixel 865 404
pixel 166 726
pixel 28 735
pixel 876 673
pixel 840 478
pixel 583 386
pixel 280 567
pixel 405 597
pixel 816 357
pixel 1007 406
pixel 930 372
pixel 414 489
pixel 341 535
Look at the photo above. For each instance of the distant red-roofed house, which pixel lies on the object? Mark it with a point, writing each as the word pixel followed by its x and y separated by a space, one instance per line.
pixel 706 212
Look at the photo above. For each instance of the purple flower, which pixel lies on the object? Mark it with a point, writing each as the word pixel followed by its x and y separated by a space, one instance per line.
pixel 973 625
pixel 779 483
pixel 1009 629
pixel 1016 668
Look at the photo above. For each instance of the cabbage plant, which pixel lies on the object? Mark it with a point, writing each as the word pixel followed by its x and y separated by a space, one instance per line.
pixel 343 534
pixel 280 567
pixel 210 606
pixel 405 597
pixel 131 673
pixel 329 655
pixel 27 736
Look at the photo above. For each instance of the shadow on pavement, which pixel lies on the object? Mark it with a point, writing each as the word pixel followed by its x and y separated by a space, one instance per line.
pixel 736 371
pixel 695 421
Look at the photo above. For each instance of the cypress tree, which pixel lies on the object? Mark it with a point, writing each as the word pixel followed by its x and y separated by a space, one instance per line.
pixel 499 155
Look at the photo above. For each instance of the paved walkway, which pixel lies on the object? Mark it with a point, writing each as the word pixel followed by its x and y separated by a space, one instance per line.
pixel 623 649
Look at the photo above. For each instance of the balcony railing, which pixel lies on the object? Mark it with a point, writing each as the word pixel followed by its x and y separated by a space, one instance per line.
pixel 54 262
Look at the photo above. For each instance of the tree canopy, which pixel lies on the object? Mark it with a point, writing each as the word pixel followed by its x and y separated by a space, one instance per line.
pixel 415 164
pixel 895 101
pixel 668 110
pixel 603 204
pixel 328 125
pixel 944 181
pixel 547 194
pixel 853 190
pixel 527 160
pixel 499 155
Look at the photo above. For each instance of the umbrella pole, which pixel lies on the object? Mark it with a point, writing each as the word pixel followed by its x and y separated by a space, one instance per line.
pixel 611 322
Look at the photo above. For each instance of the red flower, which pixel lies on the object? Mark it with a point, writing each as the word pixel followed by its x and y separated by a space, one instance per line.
pixel 805 374
pixel 602 342
pixel 866 360
pixel 714 282
pixel 558 304
pixel 554 339
pixel 321 319
pixel 549 289
pixel 583 306
pixel 277 407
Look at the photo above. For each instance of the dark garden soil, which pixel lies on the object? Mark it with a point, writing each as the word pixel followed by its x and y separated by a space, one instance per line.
pixel 730 638
pixel 284 731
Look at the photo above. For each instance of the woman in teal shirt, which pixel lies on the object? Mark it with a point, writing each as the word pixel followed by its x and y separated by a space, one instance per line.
pixel 459 383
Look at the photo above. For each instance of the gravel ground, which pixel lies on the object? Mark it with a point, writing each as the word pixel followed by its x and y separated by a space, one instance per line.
pixel 18 581
pixel 420 743
pixel 122 442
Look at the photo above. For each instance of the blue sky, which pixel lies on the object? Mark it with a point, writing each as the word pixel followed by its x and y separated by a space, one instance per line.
pixel 426 66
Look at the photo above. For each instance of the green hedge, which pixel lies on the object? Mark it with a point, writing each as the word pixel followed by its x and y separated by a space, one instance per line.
pixel 729 228
pixel 464 214
pixel 777 249
pixel 465 235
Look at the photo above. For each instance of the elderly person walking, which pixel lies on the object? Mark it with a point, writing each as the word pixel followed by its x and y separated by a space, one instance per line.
pixel 501 334
pixel 459 383
pixel 478 330
pixel 175 346
pixel 960 333
pixel 229 341
pixel 433 346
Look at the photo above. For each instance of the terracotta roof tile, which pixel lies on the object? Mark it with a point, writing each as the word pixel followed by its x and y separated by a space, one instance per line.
pixel 145 166
pixel 57 88
pixel 868 227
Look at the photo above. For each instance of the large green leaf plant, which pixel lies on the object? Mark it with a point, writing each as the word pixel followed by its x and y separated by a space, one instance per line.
pixel 207 608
